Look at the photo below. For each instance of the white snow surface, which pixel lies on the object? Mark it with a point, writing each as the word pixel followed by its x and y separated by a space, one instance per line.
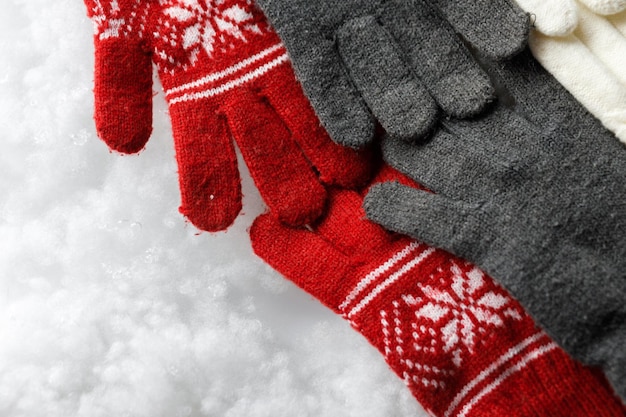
pixel 111 304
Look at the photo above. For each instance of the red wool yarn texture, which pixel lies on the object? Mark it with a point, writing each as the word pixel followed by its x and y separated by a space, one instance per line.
pixel 225 76
pixel 459 341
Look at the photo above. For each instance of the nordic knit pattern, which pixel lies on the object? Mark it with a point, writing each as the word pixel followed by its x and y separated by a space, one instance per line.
pixel 461 343
pixel 535 196
pixel 225 75
pixel 396 62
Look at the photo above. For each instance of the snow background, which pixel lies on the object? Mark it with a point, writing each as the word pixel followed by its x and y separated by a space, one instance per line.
pixel 110 303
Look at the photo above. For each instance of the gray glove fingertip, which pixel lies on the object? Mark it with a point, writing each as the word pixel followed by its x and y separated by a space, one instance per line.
pixel 389 205
pixel 434 52
pixel 346 120
pixel 497 28
pixel 334 97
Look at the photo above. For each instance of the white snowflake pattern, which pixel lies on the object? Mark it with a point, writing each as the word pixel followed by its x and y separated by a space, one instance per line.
pixel 431 332
pixel 109 20
pixel 463 312
pixel 209 25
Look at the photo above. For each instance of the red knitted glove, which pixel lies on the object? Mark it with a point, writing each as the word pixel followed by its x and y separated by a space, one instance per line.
pixel 225 74
pixel 459 341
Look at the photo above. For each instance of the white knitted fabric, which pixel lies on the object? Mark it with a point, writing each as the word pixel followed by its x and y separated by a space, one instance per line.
pixel 583 44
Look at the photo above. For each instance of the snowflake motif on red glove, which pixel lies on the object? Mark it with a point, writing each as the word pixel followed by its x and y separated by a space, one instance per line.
pixel 116 18
pixel 188 28
pixel 462 315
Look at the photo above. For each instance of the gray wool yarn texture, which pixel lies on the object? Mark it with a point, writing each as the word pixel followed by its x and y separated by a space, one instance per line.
pixel 533 192
pixel 395 62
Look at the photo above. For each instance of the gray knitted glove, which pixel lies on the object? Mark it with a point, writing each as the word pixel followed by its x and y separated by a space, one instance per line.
pixel 534 194
pixel 395 61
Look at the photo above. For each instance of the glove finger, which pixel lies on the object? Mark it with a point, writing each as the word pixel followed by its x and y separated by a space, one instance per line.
pixel 320 71
pixel 283 176
pixel 303 257
pixel 335 164
pixel 398 100
pixel 435 53
pixel 336 101
pixel 123 94
pixel 495 27
pixel 334 98
pixel 552 18
pixel 605 7
pixel 606 43
pixel 207 167
pixel 436 220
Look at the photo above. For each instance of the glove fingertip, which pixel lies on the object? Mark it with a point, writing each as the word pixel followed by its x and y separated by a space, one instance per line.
pixel 465 95
pixel 301 205
pixel 513 43
pixel 124 132
pixel 410 117
pixel 551 18
pixel 123 95
pixel 497 28
pixel 211 220
pixel 383 205
pixel 354 131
